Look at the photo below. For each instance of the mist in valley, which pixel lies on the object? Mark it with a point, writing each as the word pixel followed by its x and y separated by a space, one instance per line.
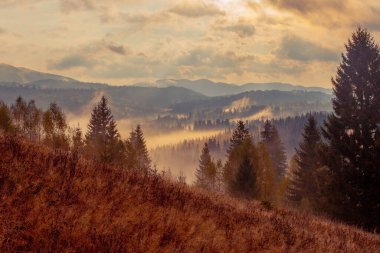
pixel 175 140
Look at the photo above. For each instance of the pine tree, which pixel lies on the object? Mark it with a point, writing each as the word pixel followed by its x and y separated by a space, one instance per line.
pixel 275 148
pixel 6 123
pixel 302 187
pixel 102 138
pixel 206 172
pixel 236 168
pixel 137 155
pixel 244 182
pixel 352 152
pixel 239 135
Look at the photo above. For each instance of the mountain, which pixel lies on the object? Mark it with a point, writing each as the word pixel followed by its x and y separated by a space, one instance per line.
pixel 53 201
pixel 125 100
pixel 15 76
pixel 202 97
pixel 210 88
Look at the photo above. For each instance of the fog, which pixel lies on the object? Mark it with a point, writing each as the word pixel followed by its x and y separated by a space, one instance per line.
pixel 238 104
pixel 176 137
pixel 160 142
pixel 266 113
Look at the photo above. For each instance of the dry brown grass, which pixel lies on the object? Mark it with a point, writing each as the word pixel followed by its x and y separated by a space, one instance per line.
pixel 52 202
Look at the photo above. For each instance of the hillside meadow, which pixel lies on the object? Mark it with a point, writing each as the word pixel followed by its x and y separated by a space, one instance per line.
pixel 55 201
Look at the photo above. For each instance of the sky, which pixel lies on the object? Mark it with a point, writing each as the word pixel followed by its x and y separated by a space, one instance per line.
pixel 236 41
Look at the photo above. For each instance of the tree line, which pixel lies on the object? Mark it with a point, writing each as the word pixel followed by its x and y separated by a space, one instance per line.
pixel 101 142
pixel 336 168
pixel 252 170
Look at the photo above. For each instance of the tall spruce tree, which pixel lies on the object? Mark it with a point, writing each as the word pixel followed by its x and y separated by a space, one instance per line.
pixel 351 132
pixel 137 155
pixel 275 148
pixel 239 135
pixel 237 169
pixel 206 173
pixel 302 186
pixel 6 123
pixel 102 138
pixel 245 179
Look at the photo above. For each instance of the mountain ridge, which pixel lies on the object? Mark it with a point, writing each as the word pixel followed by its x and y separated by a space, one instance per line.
pixel 13 76
pixel 210 88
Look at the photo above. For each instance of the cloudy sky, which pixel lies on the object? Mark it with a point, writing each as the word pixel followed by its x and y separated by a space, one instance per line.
pixel 237 41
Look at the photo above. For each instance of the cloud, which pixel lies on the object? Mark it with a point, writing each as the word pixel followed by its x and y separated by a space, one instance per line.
pixel 126 40
pixel 212 58
pixel 68 6
pixel 309 6
pixel 142 19
pixel 117 49
pixel 327 13
pixel 196 9
pixel 333 13
pixel 242 28
pixel 296 48
pixel 72 61
pixel 8 3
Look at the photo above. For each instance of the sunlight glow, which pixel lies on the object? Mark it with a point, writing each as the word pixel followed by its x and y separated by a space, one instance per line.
pixel 234 7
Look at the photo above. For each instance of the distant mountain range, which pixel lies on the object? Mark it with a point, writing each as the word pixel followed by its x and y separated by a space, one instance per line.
pixel 162 97
pixel 13 76
pixel 212 89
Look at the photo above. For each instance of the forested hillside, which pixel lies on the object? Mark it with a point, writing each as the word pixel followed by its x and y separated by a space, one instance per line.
pixel 56 201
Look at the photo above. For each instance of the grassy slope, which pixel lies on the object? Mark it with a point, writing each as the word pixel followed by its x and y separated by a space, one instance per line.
pixel 52 202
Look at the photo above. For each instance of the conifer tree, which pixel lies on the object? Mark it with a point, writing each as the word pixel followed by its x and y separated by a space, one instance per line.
pixel 6 123
pixel 102 138
pixel 137 155
pixel 239 135
pixel 206 172
pixel 302 186
pixel 275 148
pixel 244 182
pixel 236 169
pixel 351 132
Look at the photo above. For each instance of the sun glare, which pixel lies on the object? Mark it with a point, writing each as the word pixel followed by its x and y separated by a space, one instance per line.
pixel 234 7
